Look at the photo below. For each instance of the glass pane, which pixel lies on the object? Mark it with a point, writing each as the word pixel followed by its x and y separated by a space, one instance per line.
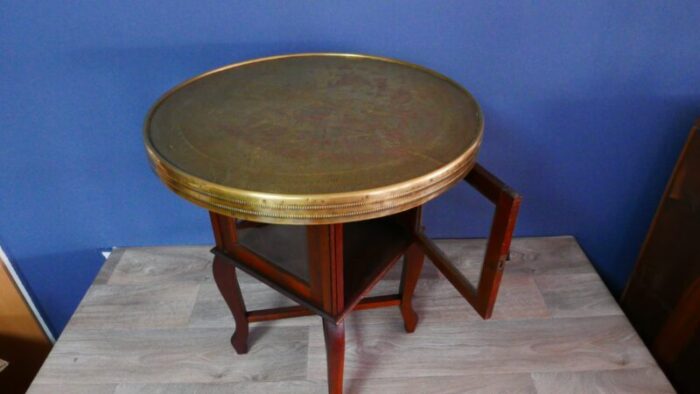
pixel 284 246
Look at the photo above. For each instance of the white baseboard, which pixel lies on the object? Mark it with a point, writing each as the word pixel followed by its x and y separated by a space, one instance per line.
pixel 6 261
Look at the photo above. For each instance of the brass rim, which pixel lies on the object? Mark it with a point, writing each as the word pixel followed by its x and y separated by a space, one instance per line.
pixel 312 208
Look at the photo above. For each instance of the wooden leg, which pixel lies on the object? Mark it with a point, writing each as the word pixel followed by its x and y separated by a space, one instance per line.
pixel 227 282
pixel 335 354
pixel 412 266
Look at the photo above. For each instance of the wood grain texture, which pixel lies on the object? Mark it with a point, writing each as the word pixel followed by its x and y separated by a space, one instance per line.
pixel 173 355
pixel 576 295
pixel 161 265
pixel 497 383
pixel 280 387
pixel 40 388
pixel 475 348
pixel 555 329
pixel 632 381
pixel 161 305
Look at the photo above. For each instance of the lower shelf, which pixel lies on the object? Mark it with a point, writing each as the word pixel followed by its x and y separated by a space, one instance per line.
pixel 369 249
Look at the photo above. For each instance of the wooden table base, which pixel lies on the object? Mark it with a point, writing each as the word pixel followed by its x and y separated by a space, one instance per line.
pixel 345 261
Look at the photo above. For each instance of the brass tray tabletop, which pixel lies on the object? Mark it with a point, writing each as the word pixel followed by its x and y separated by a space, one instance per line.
pixel 314 138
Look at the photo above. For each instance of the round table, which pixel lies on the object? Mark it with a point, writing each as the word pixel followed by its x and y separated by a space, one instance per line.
pixel 338 152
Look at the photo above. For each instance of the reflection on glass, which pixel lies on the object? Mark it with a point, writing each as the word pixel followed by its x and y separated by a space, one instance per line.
pixel 283 246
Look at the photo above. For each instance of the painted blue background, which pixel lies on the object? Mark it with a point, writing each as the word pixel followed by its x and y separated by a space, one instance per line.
pixel 587 105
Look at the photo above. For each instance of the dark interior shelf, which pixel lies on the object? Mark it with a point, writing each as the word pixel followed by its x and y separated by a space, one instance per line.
pixel 369 249
pixel 283 246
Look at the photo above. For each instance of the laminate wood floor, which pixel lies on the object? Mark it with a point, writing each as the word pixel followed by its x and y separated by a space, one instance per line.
pixel 154 322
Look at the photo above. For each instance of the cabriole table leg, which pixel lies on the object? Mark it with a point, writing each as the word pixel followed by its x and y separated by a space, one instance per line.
pixel 412 266
pixel 334 334
pixel 227 282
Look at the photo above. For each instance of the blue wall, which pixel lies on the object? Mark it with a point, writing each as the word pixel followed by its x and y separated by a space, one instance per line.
pixel 587 105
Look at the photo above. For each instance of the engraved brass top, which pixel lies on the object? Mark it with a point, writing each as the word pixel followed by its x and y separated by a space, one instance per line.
pixel 314 138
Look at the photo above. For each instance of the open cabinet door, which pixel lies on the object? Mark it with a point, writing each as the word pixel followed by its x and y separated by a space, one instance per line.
pixel 507 203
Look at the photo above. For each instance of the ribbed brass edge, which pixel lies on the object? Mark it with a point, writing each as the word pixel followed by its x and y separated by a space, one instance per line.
pixel 313 208
pixel 322 201
pixel 320 214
